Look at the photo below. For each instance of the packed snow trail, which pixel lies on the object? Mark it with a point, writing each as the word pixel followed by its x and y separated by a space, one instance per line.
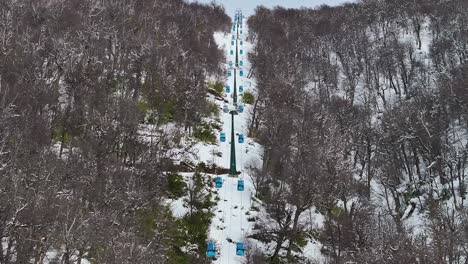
pixel 230 224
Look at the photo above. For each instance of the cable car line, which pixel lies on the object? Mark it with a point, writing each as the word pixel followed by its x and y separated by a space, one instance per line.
pixel 234 109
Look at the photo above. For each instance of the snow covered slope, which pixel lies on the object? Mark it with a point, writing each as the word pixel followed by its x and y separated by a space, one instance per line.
pixel 230 224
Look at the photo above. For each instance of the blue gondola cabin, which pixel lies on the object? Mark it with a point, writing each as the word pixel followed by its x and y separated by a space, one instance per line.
pixel 242 42
pixel 240 109
pixel 229 74
pixel 240 185
pixel 231 52
pixel 241 73
pixel 230 63
pixel 228 89
pixel 241 63
pixel 222 137
pixel 218 182
pixel 241 138
pixel 241 52
pixel 240 249
pixel 211 250
pixel 241 89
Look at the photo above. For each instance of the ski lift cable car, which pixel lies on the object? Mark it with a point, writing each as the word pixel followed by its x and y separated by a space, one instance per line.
pixel 241 138
pixel 240 109
pixel 211 250
pixel 240 185
pixel 240 249
pixel 218 182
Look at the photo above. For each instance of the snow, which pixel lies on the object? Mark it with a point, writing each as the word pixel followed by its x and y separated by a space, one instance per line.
pixel 52 256
pixel 177 207
pixel 312 252
pixel 231 213
pixel 230 220
pixel 230 223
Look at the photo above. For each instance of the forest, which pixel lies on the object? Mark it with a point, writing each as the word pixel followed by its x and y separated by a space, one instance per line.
pixel 78 80
pixel 361 111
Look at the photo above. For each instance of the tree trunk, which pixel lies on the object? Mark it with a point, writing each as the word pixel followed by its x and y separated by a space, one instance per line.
pixel 254 114
pixel 294 232
pixel 281 236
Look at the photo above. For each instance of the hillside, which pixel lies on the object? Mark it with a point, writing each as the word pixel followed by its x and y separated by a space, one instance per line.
pixel 362 114
pixel 170 132
pixel 98 100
